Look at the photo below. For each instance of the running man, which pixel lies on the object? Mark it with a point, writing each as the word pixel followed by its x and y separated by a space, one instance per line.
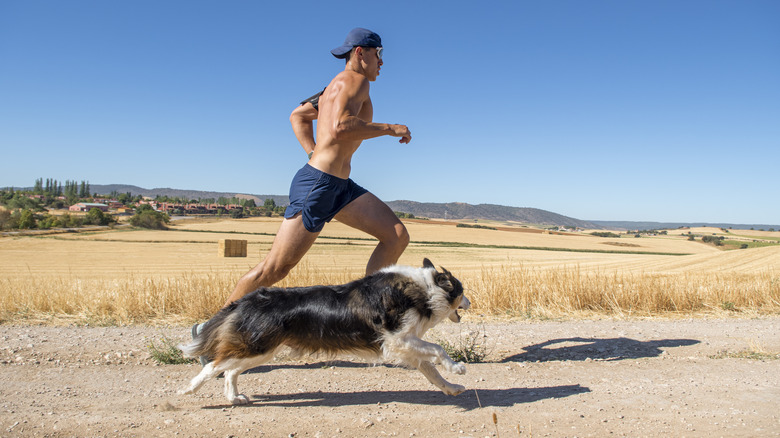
pixel 322 190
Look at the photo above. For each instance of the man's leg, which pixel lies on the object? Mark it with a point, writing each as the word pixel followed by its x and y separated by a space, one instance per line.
pixel 369 214
pixel 292 242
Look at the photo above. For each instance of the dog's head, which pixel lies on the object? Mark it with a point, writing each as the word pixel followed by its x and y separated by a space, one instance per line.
pixel 454 289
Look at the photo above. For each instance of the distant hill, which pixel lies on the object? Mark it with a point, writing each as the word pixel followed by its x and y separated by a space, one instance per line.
pixel 458 210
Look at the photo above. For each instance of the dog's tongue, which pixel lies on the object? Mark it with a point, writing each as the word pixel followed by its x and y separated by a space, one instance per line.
pixel 454 317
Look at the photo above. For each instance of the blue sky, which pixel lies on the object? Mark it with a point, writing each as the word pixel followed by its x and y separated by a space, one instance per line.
pixel 599 110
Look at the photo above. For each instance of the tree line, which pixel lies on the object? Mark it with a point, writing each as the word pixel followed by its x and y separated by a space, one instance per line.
pixel 34 216
pixel 52 187
pixel 27 209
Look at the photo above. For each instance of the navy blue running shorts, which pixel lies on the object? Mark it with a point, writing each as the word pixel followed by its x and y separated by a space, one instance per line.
pixel 319 196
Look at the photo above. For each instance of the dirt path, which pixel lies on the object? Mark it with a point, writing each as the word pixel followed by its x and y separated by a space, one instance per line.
pixel 572 378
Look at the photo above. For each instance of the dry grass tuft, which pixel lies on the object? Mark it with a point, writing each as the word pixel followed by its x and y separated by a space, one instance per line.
pixel 754 351
pixel 469 346
pixel 166 353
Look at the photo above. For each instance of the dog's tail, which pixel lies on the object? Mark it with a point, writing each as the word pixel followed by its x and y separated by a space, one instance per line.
pixel 194 347
pixel 207 342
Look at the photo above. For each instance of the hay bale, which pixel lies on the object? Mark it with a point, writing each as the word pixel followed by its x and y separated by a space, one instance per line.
pixel 232 248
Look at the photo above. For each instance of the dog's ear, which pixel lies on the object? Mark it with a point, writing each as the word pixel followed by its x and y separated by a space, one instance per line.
pixel 443 281
pixel 427 263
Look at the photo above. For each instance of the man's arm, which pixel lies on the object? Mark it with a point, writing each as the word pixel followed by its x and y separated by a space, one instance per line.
pixel 347 126
pixel 351 128
pixel 302 121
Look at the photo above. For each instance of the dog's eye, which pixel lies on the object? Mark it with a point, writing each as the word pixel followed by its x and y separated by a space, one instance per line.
pixel 444 283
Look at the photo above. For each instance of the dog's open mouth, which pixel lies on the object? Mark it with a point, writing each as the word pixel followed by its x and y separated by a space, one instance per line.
pixel 464 305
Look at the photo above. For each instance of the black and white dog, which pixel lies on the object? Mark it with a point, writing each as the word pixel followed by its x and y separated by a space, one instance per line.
pixel 382 316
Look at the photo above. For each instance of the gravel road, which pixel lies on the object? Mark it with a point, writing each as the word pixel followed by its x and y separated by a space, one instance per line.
pixel 580 378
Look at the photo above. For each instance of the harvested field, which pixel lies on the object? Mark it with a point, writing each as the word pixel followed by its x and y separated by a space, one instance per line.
pixel 136 275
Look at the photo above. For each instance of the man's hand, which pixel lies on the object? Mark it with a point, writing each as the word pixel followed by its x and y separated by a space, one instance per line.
pixel 401 131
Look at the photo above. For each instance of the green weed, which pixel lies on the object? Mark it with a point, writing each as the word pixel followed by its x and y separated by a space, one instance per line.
pixel 167 353
pixel 469 348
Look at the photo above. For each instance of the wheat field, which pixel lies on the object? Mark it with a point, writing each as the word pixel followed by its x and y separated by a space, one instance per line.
pixel 137 276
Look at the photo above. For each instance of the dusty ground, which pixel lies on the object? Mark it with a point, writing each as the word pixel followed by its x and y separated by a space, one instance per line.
pixel 571 378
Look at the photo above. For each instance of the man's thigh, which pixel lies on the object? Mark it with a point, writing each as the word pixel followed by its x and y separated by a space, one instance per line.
pixel 292 241
pixel 369 214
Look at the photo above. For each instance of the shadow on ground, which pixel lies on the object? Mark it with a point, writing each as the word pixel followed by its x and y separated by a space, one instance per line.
pixel 596 349
pixel 317 364
pixel 471 399
pixel 574 348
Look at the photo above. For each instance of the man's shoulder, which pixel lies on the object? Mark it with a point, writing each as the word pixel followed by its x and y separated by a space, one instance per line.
pixel 351 79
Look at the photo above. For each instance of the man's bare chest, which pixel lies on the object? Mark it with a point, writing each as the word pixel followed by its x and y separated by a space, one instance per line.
pixel 366 111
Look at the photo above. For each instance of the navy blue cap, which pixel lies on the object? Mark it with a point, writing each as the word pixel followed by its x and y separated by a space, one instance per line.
pixel 357 37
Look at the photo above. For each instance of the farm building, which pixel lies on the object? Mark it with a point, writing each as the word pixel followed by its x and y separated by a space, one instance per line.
pixel 87 206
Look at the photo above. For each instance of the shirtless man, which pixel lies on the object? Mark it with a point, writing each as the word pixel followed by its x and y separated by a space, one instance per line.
pixel 322 190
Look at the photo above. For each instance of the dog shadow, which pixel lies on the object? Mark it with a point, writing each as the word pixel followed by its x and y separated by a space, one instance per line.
pixel 316 365
pixel 610 349
pixel 471 399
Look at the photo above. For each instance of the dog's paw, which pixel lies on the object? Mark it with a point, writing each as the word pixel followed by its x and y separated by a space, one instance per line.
pixel 457 368
pixel 240 399
pixel 454 389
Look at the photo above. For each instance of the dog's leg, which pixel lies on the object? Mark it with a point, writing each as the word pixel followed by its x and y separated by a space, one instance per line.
pixel 233 368
pixel 416 348
pixel 231 386
pixel 422 355
pixel 208 372
pixel 433 376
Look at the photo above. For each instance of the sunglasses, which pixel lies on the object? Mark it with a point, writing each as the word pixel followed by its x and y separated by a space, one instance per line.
pixel 378 51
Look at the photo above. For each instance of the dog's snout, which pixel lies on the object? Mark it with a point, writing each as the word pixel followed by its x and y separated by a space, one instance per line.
pixel 464 303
